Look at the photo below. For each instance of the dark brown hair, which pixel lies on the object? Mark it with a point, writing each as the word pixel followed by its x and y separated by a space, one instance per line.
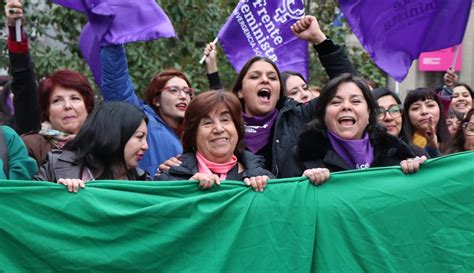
pixel 422 94
pixel 201 106
pixel 329 92
pixel 240 78
pixel 457 144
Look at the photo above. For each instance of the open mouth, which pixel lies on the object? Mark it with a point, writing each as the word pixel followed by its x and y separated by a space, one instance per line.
pixel 346 121
pixel 264 93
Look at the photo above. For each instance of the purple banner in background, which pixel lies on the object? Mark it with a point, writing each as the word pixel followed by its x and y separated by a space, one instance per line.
pixel 117 22
pixel 262 28
pixel 395 32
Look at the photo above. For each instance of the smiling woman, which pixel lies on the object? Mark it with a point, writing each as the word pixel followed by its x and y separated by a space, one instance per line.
pixel 345 135
pixel 166 100
pixel 462 98
pixel 108 146
pixel 464 137
pixel 213 145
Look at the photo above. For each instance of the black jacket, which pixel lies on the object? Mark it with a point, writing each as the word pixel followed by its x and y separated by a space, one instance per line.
pixel 253 166
pixel 315 151
pixel 293 115
pixel 25 101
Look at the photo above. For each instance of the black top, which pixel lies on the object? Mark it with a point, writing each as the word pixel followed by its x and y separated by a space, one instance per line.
pixel 253 166
pixel 293 115
pixel 315 151
pixel 25 101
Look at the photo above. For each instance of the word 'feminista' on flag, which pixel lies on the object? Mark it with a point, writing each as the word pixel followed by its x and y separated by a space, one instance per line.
pixel 395 32
pixel 113 22
pixel 262 28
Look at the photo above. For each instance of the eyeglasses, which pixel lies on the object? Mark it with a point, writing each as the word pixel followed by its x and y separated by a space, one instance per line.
pixel 174 90
pixel 394 111
pixel 468 128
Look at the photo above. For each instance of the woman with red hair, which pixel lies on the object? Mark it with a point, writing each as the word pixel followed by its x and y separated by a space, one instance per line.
pixel 166 100
pixel 65 97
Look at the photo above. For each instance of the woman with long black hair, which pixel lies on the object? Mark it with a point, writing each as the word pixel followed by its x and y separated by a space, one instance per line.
pixel 109 146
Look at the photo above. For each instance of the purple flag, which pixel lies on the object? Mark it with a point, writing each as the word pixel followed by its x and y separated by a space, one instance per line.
pixel 395 32
pixel 72 4
pixel 262 28
pixel 117 22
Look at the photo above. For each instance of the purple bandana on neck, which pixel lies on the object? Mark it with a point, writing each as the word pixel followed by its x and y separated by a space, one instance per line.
pixel 258 130
pixel 358 153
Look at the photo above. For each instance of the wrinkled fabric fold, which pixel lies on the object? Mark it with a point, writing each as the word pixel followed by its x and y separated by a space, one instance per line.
pixel 373 220
pixel 394 33
pixel 118 22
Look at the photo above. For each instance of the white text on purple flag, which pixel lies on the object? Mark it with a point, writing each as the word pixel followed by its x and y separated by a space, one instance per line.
pixel 261 27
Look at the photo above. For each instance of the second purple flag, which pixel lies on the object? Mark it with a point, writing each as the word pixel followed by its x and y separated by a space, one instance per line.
pixel 262 28
pixel 395 32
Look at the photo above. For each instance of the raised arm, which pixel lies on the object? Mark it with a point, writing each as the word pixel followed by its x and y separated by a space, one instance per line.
pixel 211 62
pixel 332 57
pixel 116 83
pixel 24 87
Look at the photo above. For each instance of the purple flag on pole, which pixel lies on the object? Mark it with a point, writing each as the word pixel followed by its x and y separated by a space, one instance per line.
pixel 262 28
pixel 117 22
pixel 395 32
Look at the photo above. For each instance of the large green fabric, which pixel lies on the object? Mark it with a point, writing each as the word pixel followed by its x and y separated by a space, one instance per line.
pixel 375 220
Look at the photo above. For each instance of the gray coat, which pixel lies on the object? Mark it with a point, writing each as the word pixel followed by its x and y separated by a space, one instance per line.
pixel 64 164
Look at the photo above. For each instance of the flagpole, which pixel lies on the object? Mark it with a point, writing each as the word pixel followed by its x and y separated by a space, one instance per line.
pixel 18 30
pixel 17 26
pixel 455 59
pixel 204 56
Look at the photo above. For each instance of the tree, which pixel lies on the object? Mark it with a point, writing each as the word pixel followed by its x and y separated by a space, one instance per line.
pixel 54 32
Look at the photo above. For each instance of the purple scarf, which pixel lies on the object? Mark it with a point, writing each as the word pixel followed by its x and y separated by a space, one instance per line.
pixel 358 154
pixel 258 130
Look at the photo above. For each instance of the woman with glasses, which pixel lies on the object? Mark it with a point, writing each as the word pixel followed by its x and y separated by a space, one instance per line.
pixel 166 100
pixel 389 115
pixel 464 138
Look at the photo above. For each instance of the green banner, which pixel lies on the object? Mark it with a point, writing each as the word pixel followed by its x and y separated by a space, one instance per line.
pixel 375 220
